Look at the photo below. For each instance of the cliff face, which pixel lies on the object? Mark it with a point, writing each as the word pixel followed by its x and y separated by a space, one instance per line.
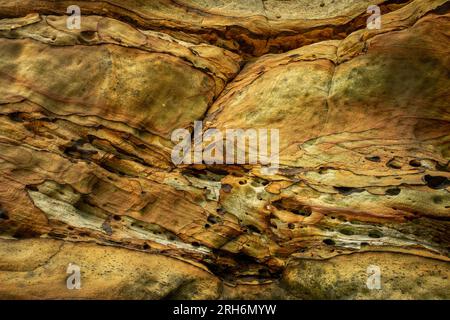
pixel 86 118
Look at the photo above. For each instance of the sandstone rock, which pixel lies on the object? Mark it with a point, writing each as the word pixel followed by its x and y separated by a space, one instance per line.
pixel 86 118
pixel 34 269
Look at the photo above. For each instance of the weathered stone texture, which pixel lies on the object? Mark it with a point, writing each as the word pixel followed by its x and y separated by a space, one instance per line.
pixel 86 175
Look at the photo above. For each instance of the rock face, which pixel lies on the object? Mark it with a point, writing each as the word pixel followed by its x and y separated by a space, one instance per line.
pixel 87 178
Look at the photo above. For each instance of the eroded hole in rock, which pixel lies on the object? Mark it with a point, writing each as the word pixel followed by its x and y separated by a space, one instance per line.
pixel 292 206
pixel 394 163
pixel 415 163
pixel 329 242
pixel 3 214
pixel 213 220
pixel 16 117
pixel 107 228
pixel 393 191
pixel 375 234
pixel 235 264
pixel 347 231
pixel 32 187
pixel 374 158
pixel 57 235
pixel 442 167
pixel 348 190
pixel 211 173
pixel 87 35
pixel 78 149
pixel 303 211
pixel 436 182
pixel 254 229
pixel 24 233
pixel 226 188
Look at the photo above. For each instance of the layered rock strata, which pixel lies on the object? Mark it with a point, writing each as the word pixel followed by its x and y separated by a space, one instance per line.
pixel 86 118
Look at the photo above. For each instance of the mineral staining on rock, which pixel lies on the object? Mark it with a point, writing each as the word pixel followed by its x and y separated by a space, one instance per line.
pixel 86 118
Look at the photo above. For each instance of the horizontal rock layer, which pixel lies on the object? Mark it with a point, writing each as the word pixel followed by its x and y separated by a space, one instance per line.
pixel 86 118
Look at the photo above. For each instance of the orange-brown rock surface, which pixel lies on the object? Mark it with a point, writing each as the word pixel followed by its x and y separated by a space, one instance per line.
pixel 86 118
